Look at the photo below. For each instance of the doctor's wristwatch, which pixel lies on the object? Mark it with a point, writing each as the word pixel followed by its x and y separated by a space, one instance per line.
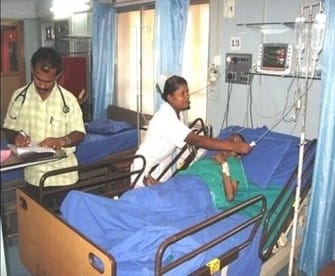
pixel 68 141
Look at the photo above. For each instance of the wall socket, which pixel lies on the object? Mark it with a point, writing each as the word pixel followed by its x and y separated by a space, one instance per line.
pixel 229 9
pixel 238 67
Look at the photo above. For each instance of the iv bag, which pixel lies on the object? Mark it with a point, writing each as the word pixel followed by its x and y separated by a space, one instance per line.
pixel 318 30
pixel 300 33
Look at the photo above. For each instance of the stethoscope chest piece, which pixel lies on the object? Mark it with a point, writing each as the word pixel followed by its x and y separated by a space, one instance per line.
pixel 66 109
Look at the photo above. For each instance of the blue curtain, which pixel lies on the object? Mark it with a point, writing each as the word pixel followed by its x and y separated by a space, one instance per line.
pixel 103 49
pixel 170 30
pixel 318 247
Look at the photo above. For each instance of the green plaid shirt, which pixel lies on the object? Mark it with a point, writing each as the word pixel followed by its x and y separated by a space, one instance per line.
pixel 45 118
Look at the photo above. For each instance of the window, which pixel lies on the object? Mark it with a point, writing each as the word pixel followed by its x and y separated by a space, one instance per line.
pixel 135 44
pixel 195 63
pixel 135 60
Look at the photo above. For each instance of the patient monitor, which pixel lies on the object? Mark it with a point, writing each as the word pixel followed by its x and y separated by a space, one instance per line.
pixel 275 59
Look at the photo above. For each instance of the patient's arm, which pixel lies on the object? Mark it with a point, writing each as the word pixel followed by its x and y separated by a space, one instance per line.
pixel 230 187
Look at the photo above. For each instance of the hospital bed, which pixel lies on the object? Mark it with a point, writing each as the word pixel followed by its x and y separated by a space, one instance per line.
pixel 109 138
pixel 194 240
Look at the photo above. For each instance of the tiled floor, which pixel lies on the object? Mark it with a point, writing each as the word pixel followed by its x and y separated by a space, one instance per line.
pixel 14 265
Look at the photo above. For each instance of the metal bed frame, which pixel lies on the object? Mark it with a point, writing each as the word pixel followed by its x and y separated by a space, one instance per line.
pixel 104 180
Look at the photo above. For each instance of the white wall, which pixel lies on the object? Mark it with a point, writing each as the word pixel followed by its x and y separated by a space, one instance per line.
pixel 32 41
pixel 269 93
pixel 25 9
pixel 18 9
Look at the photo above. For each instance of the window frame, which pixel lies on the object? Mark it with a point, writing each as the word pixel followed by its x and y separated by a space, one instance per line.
pixel 142 7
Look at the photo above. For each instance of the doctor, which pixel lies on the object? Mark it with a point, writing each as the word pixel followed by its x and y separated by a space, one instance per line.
pixel 167 133
pixel 45 113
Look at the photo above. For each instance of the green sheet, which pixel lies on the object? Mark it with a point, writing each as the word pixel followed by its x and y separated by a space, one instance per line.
pixel 211 173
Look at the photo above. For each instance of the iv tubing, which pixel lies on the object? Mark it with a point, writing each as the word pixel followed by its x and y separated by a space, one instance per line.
pixel 301 154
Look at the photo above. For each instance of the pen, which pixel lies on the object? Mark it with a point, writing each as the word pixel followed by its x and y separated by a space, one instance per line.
pixel 23 133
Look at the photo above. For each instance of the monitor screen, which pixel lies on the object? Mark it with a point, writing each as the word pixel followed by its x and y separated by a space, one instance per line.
pixel 274 56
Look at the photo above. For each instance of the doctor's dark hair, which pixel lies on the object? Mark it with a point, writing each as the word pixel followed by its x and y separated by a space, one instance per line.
pixel 47 58
pixel 171 85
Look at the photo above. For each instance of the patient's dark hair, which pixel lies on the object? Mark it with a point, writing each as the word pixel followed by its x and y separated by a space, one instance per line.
pixel 240 136
pixel 171 85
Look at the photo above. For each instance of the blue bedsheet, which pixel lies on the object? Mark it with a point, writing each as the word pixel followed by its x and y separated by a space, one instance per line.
pixel 265 169
pixel 95 146
pixel 132 227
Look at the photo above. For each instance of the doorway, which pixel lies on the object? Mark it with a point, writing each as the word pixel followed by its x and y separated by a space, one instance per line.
pixel 12 61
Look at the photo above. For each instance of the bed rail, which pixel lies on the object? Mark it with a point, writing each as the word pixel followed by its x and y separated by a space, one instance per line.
pixel 198 126
pixel 110 177
pixel 279 215
pixel 224 258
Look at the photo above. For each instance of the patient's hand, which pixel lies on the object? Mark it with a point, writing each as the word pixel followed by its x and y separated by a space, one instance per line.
pixel 219 157
pixel 230 187
pixel 149 180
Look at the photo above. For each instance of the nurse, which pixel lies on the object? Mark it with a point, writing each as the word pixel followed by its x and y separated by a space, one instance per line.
pixel 167 133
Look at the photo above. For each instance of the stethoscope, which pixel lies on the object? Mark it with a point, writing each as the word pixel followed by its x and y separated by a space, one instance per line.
pixel 23 94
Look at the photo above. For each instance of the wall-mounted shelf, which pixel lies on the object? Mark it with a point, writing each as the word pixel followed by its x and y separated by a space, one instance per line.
pixel 318 77
pixel 269 27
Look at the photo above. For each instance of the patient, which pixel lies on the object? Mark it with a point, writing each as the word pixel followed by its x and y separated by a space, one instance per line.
pixel 222 173
pixel 231 168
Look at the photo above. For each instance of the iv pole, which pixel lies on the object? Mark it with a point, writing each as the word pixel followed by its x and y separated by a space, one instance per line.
pixel 140 82
pixel 302 135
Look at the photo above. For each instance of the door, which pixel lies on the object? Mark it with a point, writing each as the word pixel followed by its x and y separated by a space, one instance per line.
pixel 12 61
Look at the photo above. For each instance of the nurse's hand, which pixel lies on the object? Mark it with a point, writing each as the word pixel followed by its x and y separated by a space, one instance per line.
pixel 241 147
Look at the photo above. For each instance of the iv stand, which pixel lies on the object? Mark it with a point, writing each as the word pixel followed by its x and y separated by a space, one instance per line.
pixel 302 144
pixel 140 89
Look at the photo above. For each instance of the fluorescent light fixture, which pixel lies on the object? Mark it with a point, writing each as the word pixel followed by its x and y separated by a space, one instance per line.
pixel 65 8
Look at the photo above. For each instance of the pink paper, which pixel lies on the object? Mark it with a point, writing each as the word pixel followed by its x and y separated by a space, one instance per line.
pixel 5 154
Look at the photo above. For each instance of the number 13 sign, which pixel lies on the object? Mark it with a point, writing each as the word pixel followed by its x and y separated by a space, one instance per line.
pixel 235 43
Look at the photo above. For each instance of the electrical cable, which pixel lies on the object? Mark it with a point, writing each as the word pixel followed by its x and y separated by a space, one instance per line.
pixel 225 117
pixel 250 107
pixel 246 116
pixel 248 113
pixel 273 126
pixel 287 100
pixel 199 90
pixel 281 112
